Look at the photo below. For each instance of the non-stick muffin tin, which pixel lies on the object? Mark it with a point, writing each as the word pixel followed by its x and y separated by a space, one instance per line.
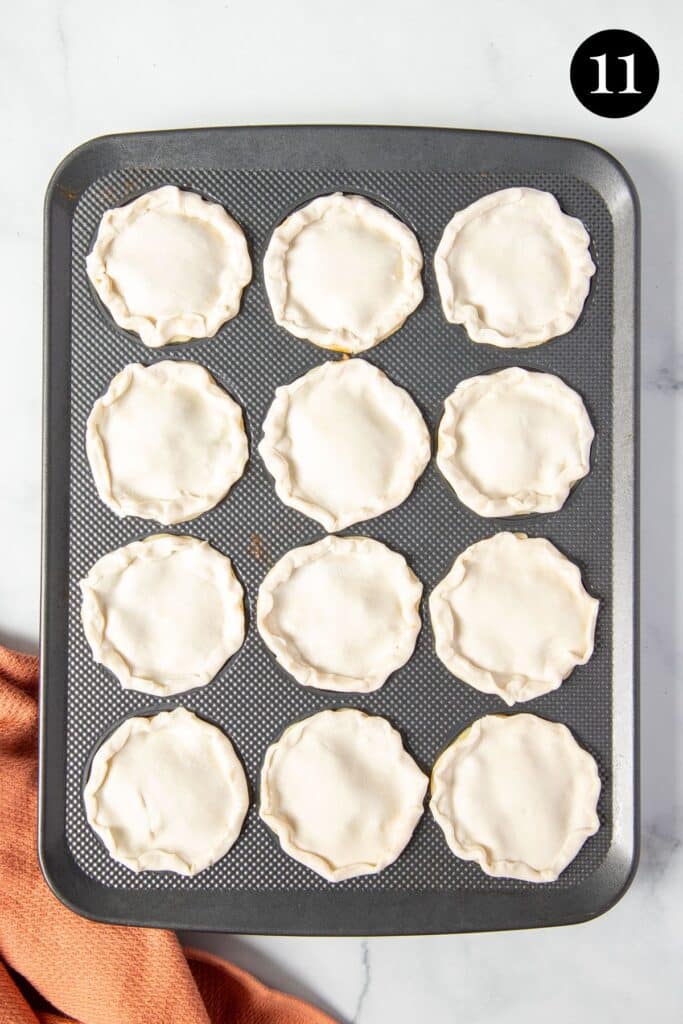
pixel 260 175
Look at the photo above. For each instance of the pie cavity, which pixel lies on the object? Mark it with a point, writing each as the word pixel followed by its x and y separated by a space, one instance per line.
pixel 512 617
pixel 165 442
pixel 343 443
pixel 342 614
pixel 163 614
pixel 343 273
pixel 341 793
pixel 516 794
pixel 514 442
pixel 169 266
pixel 167 793
pixel 514 269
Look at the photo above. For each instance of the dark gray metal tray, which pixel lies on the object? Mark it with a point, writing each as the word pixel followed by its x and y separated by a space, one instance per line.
pixel 260 174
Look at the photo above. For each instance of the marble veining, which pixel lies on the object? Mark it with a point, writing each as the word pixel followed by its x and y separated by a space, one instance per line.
pixel 366 977
pixel 667 378
pixel 83 70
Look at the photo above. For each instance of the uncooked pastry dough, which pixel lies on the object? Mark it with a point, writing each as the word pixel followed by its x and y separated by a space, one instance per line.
pixel 164 614
pixel 343 273
pixel 342 614
pixel 165 442
pixel 514 442
pixel 343 443
pixel 514 269
pixel 167 793
pixel 341 793
pixel 516 794
pixel 512 617
pixel 170 266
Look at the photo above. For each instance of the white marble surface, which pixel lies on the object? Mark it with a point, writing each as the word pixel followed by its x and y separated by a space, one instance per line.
pixel 72 69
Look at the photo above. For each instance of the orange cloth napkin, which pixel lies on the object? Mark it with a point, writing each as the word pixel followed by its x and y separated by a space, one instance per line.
pixel 56 966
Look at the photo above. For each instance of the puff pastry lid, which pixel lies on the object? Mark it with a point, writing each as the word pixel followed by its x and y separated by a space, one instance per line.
pixel 514 442
pixel 344 443
pixel 170 266
pixel 341 793
pixel 513 268
pixel 167 793
pixel 165 442
pixel 512 617
pixel 516 794
pixel 163 614
pixel 343 273
pixel 342 614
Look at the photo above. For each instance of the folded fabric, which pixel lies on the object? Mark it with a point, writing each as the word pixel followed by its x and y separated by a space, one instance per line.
pixel 57 967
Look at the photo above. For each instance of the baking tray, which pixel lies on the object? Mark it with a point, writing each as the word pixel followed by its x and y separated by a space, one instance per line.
pixel 261 174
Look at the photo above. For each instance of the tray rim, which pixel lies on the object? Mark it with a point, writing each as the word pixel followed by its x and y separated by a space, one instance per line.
pixel 316 913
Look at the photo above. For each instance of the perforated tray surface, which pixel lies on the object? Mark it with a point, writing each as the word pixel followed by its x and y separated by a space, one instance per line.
pixel 260 175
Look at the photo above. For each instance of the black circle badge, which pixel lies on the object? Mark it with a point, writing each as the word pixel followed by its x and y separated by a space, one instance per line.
pixel 614 73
